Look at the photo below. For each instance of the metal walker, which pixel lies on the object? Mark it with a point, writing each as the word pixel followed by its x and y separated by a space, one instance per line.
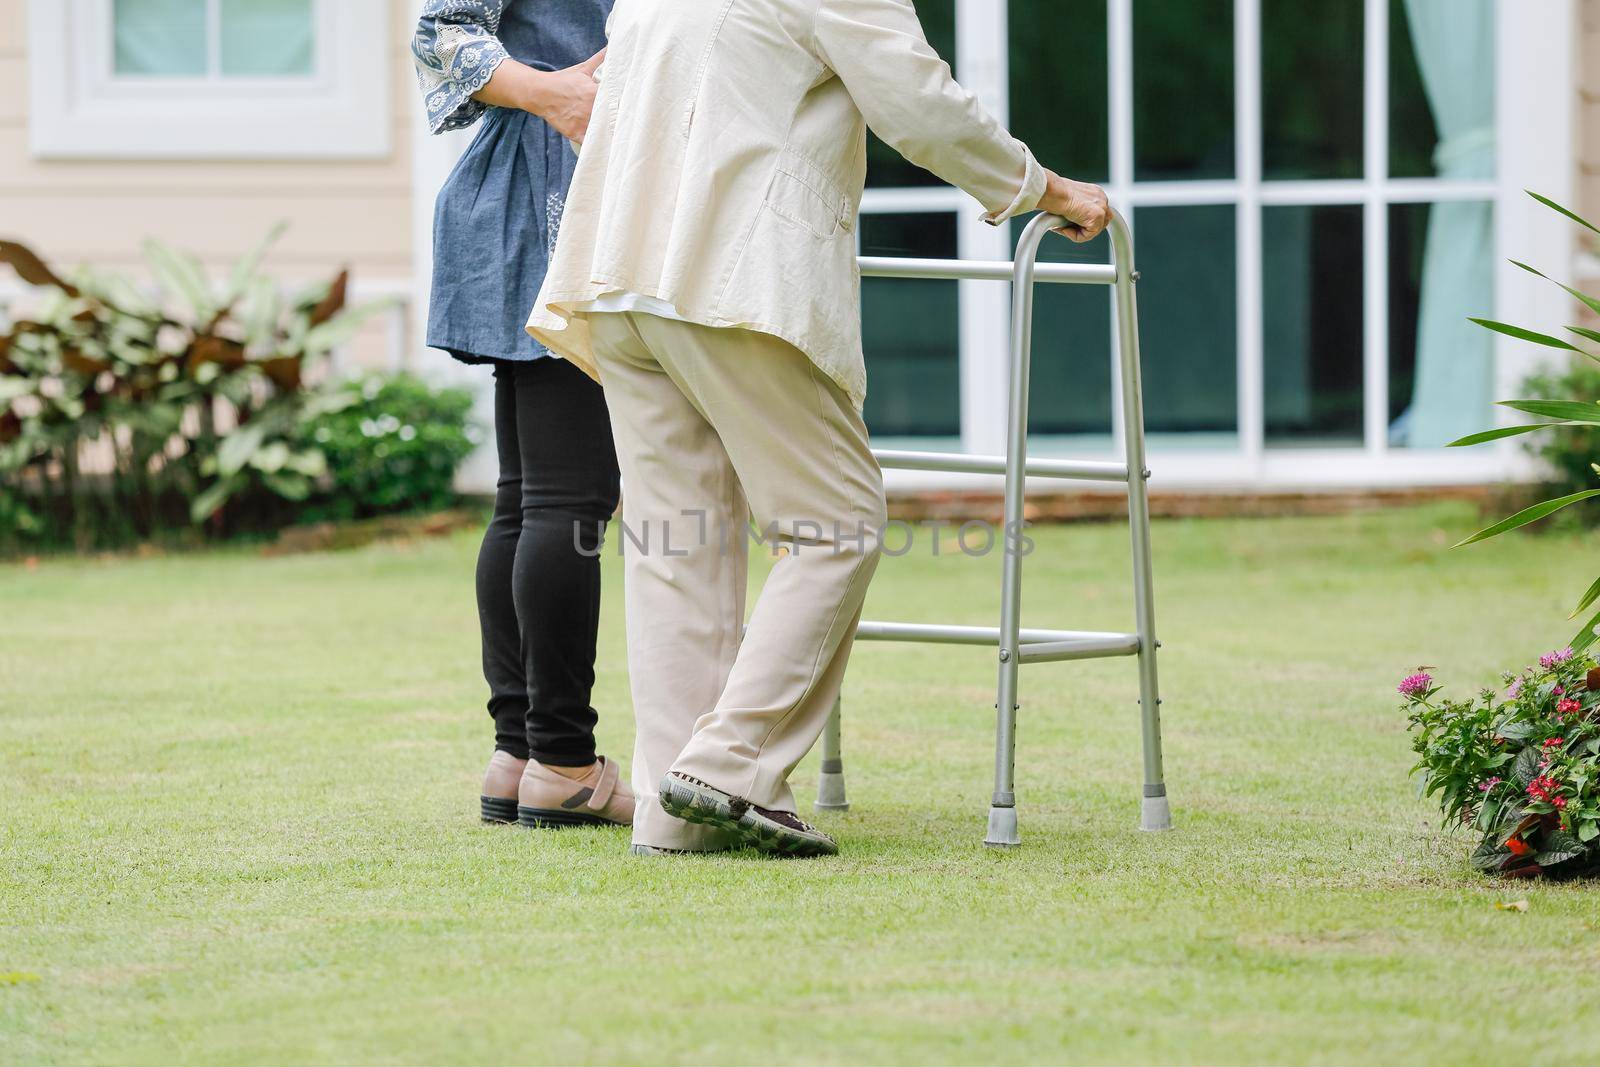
pixel 1015 645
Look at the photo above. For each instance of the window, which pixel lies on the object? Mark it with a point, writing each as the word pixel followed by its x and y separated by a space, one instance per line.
pixel 213 79
pixel 213 38
pixel 1315 192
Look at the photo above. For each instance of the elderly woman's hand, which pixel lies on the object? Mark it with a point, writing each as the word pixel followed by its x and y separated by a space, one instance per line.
pixel 1084 206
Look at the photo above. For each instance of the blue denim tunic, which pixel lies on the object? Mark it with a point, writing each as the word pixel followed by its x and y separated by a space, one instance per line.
pixel 497 216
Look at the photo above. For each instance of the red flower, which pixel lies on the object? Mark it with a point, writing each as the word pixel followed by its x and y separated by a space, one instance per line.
pixel 1558 801
pixel 1566 706
pixel 1518 846
pixel 1552 742
pixel 1544 788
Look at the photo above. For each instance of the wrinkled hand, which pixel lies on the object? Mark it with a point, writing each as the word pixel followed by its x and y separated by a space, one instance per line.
pixel 1084 206
pixel 566 98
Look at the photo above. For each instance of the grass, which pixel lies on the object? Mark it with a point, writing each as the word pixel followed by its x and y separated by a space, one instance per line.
pixel 237 800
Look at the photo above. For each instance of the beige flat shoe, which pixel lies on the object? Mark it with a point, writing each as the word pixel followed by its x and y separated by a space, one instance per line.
pixel 546 799
pixel 498 799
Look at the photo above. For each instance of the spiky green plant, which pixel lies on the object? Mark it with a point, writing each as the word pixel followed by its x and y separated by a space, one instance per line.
pixel 1551 413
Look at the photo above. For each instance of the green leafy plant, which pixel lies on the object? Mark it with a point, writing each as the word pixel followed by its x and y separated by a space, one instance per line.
pixel 1520 765
pixel 1569 451
pixel 1568 414
pixel 123 416
pixel 393 445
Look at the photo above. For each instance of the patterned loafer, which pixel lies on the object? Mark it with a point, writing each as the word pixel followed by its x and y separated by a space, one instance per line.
pixel 777 833
pixel 599 798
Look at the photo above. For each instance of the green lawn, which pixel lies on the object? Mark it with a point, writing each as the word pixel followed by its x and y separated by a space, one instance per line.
pixel 238 825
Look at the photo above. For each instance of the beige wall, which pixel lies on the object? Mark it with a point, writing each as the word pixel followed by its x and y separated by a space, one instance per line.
pixel 355 214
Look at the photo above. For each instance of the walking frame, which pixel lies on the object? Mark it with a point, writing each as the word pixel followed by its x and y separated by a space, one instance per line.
pixel 1014 644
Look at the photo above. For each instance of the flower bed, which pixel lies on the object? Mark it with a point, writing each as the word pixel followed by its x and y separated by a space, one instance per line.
pixel 1517 764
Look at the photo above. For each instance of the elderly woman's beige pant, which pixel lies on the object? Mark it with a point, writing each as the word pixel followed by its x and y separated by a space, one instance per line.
pixel 705 420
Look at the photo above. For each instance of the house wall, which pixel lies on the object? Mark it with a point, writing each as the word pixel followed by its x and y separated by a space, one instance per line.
pixel 355 214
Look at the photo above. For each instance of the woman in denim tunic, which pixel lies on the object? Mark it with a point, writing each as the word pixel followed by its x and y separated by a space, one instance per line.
pixel 525 68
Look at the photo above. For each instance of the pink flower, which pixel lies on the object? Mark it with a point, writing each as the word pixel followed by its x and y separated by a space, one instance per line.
pixel 1415 686
pixel 1558 802
pixel 1558 690
pixel 1515 689
pixel 1490 784
pixel 1550 659
pixel 1566 706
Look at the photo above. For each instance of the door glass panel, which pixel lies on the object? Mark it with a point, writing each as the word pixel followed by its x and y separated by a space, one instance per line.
pixel 1312 299
pixel 1058 104
pixel 1188 321
pixel 1441 88
pixel 1070 391
pixel 1182 89
pixel 1441 367
pixel 911 331
pixel 266 38
pixel 1312 91
pixel 887 168
pixel 160 38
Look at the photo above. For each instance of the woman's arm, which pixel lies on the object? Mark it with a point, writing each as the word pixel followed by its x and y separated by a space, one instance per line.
pixel 909 98
pixel 457 54
pixel 563 98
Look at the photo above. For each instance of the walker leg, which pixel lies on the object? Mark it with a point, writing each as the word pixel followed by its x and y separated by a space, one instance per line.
pixel 1003 831
pixel 830 783
pixel 1154 812
pixel 1003 805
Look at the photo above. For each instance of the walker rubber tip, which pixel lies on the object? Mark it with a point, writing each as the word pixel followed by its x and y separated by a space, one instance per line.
pixel 1155 814
pixel 1003 828
pixel 830 792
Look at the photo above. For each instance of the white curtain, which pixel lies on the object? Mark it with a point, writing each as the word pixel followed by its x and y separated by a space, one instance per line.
pixel 1454 42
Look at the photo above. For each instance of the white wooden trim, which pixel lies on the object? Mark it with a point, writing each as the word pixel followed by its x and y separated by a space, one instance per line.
pixel 1250 408
pixel 78 109
pixel 983 65
pixel 1375 236
pixel 1536 117
pixel 1120 131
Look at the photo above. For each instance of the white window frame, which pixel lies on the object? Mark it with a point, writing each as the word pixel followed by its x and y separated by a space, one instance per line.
pixel 1536 92
pixel 80 109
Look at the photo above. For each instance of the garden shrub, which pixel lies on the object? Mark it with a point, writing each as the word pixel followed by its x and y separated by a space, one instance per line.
pixel 394 447
pixel 1520 765
pixel 125 418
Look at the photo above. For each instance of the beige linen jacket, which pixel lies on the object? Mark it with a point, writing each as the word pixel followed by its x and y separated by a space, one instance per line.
pixel 724 166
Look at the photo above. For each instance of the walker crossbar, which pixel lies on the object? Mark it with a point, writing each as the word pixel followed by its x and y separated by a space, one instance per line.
pixel 953 462
pixel 1013 644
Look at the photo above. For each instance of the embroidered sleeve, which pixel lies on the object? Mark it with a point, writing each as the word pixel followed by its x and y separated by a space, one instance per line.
pixel 456 53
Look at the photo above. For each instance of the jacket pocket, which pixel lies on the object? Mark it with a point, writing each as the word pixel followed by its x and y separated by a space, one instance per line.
pixel 802 193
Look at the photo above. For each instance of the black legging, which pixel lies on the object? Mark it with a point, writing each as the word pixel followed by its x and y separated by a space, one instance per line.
pixel 538 594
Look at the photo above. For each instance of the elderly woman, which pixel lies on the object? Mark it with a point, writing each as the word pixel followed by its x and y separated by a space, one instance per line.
pixel 525 67
pixel 707 276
